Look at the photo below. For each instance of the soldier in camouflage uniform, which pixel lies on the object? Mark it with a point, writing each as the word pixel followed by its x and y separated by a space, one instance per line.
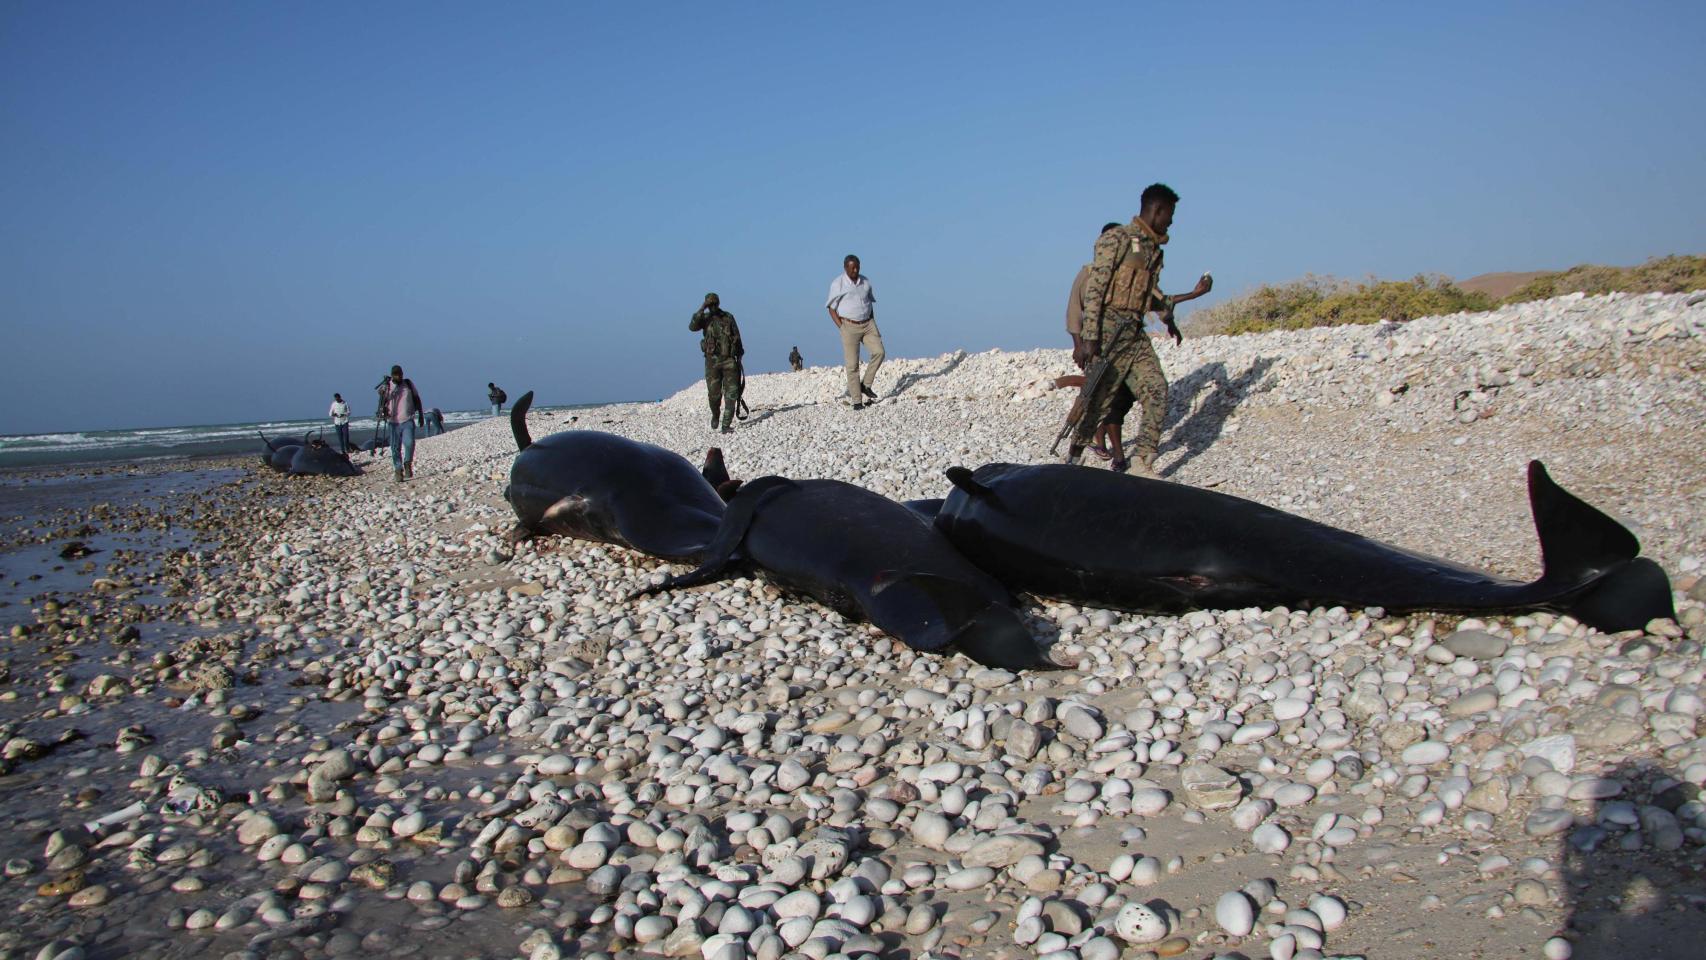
pixel 720 343
pixel 1122 286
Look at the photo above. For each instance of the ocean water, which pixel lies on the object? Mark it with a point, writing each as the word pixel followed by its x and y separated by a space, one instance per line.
pixel 205 440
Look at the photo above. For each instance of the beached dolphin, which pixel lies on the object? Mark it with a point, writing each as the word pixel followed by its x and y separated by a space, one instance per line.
pixel 317 459
pixel 1106 539
pixel 280 451
pixel 598 486
pixel 868 558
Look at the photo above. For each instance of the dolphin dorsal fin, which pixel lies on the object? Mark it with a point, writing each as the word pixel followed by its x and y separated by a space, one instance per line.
pixel 518 421
pixel 962 478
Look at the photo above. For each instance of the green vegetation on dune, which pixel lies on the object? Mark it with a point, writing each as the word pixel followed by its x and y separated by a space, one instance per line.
pixel 1315 301
pixel 1328 302
pixel 1674 274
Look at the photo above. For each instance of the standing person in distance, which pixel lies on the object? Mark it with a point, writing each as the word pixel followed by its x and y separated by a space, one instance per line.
pixel 719 341
pixel 497 397
pixel 402 404
pixel 339 413
pixel 1124 284
pixel 796 361
pixel 852 305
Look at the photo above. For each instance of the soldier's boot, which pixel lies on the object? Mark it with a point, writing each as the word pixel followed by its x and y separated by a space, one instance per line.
pixel 728 429
pixel 397 474
pixel 1143 466
pixel 408 471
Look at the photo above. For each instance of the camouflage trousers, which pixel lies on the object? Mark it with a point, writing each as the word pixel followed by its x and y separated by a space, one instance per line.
pixel 1134 377
pixel 722 388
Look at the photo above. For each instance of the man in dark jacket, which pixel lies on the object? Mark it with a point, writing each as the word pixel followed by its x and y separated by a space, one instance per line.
pixel 496 395
pixel 401 403
pixel 720 343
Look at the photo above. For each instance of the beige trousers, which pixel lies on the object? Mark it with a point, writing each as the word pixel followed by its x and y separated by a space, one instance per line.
pixel 852 335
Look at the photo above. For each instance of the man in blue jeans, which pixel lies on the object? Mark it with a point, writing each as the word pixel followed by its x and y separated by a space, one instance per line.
pixel 402 406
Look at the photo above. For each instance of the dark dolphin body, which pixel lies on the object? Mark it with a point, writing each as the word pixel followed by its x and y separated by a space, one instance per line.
pixel 320 460
pixel 869 558
pixel 1106 539
pixel 598 486
pixel 309 456
pixel 280 451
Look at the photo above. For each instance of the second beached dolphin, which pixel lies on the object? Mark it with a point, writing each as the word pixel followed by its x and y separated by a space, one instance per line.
pixel 598 486
pixel 868 558
pixel 1129 543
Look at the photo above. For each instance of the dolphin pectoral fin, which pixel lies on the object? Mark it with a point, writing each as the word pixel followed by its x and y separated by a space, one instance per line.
pixel 998 637
pixel 518 422
pixel 929 612
pixel 569 508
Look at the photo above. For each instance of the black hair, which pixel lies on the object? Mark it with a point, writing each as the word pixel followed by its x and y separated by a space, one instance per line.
pixel 1108 226
pixel 850 256
pixel 1158 193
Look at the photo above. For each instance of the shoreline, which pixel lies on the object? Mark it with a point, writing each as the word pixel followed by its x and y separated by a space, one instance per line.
pixel 368 724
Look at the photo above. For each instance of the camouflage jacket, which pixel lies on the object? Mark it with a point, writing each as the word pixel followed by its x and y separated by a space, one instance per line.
pixel 1123 277
pixel 721 337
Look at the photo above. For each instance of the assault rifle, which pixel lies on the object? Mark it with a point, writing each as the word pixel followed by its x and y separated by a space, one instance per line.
pixel 1092 378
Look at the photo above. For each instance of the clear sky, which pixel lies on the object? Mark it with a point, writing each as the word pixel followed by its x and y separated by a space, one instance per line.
pixel 222 211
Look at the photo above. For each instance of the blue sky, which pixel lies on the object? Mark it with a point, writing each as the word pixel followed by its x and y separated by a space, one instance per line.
pixel 221 211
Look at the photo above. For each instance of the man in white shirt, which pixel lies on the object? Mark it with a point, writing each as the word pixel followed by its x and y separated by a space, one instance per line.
pixel 339 413
pixel 852 306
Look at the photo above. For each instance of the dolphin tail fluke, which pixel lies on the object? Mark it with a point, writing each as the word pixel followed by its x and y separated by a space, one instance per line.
pixel 722 552
pixel 962 478
pixel 518 422
pixel 1580 545
pixel 1627 598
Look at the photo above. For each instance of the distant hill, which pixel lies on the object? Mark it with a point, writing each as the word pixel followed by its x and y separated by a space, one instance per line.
pixel 1499 285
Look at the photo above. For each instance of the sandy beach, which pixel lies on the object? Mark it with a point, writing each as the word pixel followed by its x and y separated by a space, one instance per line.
pixel 277 717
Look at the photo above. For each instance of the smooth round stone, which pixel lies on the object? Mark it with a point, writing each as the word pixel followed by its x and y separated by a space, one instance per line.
pixel 1290 708
pixel 921 919
pixel 1294 795
pixel 1270 838
pixel 1146 871
pixel 1557 948
pixel 408 825
pixel 1149 801
pixel 1235 913
pixel 1426 753
pixel 1001 851
pixel 1547 823
pixel 1138 923
pixel 1475 644
pixel 1099 948
pixel 1331 910
pixel 1252 732
pixel 931 829
pixel 648 929
pixel 556 765
pixel 969 879
pixel 800 903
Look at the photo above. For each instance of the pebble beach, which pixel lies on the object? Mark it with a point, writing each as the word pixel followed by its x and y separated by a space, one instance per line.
pixel 318 717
